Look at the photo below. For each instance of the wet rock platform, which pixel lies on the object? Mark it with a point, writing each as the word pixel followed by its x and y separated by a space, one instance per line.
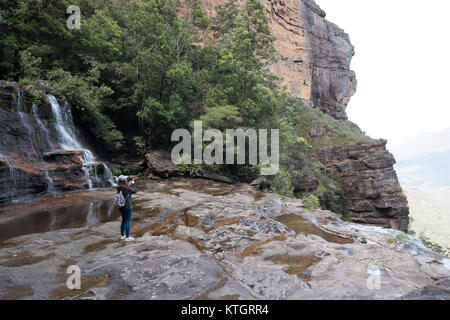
pixel 200 239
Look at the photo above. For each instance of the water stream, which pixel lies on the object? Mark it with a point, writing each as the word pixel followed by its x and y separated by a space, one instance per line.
pixel 68 141
pixel 25 165
pixel 43 130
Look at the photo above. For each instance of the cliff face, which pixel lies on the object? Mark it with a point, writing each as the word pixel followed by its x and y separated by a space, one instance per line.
pixel 372 192
pixel 315 62
pixel 315 55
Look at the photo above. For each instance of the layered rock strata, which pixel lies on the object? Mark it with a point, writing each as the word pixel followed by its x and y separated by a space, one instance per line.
pixel 372 193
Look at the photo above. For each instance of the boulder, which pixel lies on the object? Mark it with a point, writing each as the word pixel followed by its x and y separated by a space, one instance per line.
pixel 202 173
pixel 261 184
pixel 160 163
pixel 305 183
pixel 318 130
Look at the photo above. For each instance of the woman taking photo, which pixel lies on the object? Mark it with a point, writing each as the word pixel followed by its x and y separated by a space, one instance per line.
pixel 127 187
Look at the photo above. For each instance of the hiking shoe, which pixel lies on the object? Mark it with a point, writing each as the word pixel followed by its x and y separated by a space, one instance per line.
pixel 122 237
pixel 129 239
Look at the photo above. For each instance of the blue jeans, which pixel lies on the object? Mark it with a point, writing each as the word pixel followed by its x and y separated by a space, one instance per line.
pixel 125 226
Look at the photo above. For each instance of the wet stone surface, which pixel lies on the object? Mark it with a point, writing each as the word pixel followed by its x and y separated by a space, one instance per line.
pixel 199 239
pixel 54 212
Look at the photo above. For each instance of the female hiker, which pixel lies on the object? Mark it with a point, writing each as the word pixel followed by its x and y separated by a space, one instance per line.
pixel 127 187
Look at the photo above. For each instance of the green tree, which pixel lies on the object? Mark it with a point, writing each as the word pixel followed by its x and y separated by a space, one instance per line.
pixel 245 49
pixel 30 65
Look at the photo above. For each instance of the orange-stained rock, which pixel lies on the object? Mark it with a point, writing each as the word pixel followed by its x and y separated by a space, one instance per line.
pixel 314 54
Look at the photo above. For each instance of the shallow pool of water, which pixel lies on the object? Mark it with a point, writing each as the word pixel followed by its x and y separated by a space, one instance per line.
pixel 305 226
pixel 87 208
pixel 73 216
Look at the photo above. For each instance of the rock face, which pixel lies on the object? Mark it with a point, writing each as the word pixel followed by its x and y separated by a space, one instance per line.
pixel 260 184
pixel 315 54
pixel 198 239
pixel 372 192
pixel 305 183
pixel 318 130
pixel 23 177
pixel 32 160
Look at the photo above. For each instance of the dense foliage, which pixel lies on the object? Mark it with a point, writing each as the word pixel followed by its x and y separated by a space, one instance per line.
pixel 136 70
pixel 135 67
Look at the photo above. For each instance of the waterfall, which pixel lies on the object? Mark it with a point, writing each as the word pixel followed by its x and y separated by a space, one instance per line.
pixel 24 119
pixel 50 183
pixel 109 175
pixel 18 179
pixel 68 141
pixel 30 130
pixel 64 125
pixel 42 127
pixel 44 132
pixel 37 156
pixel 19 99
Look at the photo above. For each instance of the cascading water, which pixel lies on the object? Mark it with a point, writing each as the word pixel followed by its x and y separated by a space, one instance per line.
pixel 24 120
pixel 43 130
pixel 40 150
pixel 31 134
pixel 110 175
pixel 18 179
pixel 64 126
pixel 44 133
pixel 68 141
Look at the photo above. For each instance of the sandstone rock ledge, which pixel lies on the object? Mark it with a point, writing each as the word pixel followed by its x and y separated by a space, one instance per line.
pixel 208 240
pixel 373 194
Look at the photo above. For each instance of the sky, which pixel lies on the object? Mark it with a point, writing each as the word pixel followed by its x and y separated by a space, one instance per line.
pixel 402 64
